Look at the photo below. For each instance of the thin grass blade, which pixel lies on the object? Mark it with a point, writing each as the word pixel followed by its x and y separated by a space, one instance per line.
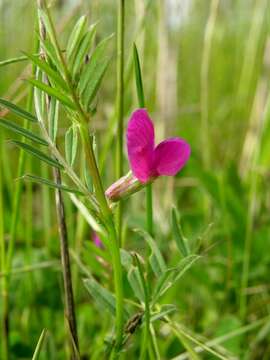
pixel 39 345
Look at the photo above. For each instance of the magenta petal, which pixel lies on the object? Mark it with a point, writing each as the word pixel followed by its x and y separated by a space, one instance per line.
pixel 140 144
pixel 171 155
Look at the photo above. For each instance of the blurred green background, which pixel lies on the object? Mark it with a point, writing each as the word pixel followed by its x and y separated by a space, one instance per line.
pixel 205 68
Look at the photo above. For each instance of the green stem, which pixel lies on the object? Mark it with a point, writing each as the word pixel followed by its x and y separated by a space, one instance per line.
pixel 146 330
pixel 120 105
pixel 66 268
pixel 149 210
pixel 115 250
pixel 118 283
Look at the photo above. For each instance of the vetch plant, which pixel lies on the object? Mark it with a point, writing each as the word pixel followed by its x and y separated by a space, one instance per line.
pixel 146 160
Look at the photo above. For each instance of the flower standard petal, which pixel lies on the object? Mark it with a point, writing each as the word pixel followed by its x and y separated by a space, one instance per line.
pixel 140 145
pixel 170 156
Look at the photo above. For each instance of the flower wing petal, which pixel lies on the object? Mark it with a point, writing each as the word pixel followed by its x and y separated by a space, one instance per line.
pixel 171 155
pixel 140 144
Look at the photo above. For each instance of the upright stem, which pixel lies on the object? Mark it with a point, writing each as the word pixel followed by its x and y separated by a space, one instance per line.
pixel 149 210
pixel 69 298
pixel 146 331
pixel 118 284
pixel 120 104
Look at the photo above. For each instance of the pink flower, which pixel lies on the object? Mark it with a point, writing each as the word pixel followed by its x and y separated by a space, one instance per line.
pixel 148 161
